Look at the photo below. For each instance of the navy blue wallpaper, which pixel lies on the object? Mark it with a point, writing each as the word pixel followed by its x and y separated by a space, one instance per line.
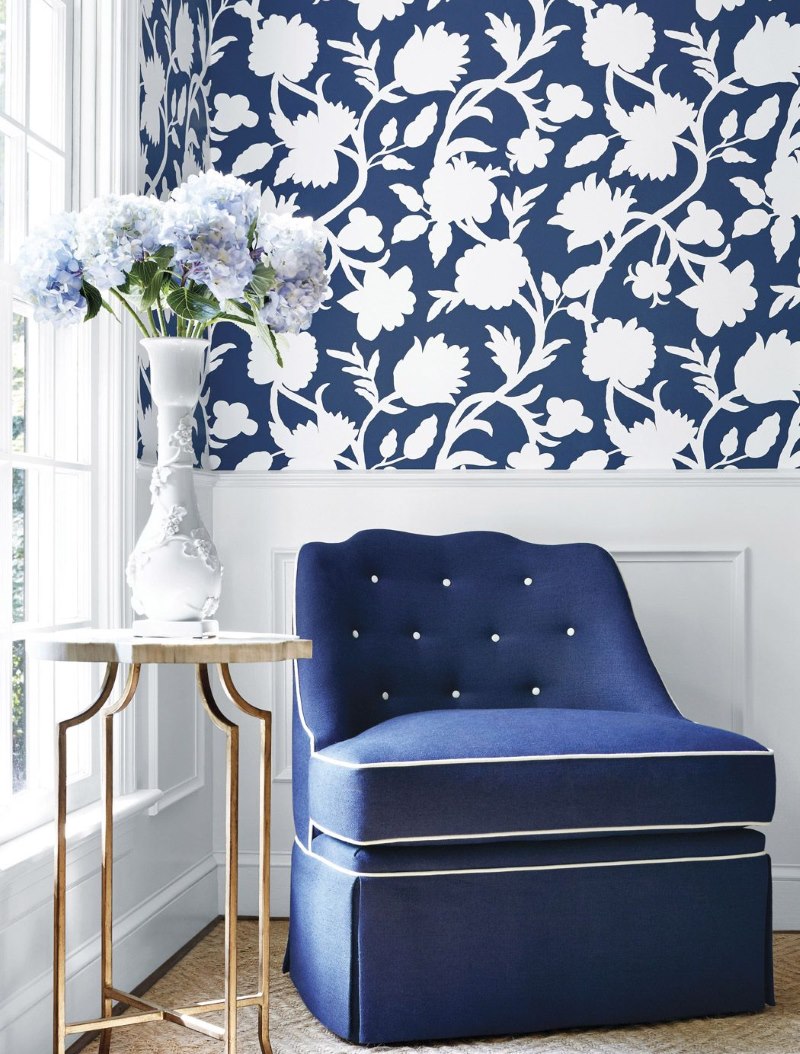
pixel 562 234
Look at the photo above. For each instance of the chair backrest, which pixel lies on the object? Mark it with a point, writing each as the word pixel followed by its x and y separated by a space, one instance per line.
pixel 405 622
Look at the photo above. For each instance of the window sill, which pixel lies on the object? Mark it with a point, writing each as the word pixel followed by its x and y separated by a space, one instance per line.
pixel 81 824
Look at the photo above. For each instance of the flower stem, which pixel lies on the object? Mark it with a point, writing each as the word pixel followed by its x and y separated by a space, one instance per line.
pixel 132 312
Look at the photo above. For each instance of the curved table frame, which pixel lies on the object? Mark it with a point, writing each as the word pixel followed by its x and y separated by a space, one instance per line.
pixel 190 1017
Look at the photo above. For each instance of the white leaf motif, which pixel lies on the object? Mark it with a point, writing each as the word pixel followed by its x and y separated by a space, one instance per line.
pixel 409 228
pixel 730 443
pixel 586 150
pixel 752 193
pixel 761 441
pixel 421 439
pixel 439 241
pixel 388 134
pixel 751 222
pixel 388 447
pixel 729 125
pixel 411 198
pixel 421 128
pixel 762 121
pixel 550 286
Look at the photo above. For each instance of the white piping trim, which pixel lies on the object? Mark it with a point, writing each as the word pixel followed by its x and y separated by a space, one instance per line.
pixel 314 825
pixel 512 870
pixel 321 756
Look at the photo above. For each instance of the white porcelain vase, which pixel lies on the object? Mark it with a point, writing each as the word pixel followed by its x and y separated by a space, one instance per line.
pixel 174 572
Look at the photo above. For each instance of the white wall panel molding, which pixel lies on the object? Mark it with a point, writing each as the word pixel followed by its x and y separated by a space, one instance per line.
pixel 504 478
pixel 143 938
pixel 193 741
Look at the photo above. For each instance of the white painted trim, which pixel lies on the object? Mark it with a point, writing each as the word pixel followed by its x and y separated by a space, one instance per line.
pixel 426 478
pixel 467 836
pixel 86 955
pixel 81 824
pixel 321 756
pixel 513 870
pixel 177 791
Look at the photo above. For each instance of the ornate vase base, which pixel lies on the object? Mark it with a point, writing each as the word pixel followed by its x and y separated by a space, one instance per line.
pixel 148 627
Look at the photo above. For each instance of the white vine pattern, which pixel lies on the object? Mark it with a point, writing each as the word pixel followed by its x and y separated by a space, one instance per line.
pixel 436 139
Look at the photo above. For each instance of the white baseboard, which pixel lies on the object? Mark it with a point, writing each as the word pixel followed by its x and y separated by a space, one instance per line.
pixel 785 898
pixel 143 939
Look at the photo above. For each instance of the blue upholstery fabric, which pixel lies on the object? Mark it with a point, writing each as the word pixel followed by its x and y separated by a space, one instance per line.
pixel 454 680
pixel 443 956
pixel 696 775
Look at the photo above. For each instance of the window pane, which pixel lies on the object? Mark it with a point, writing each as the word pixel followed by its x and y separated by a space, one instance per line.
pixel 19 351
pixel 12 52
pixel 72 511
pixel 45 185
pixel 12 191
pixel 19 723
pixel 46 75
pixel 18 543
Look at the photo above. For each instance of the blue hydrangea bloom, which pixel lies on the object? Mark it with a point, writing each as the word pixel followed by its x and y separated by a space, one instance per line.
pixel 50 273
pixel 113 233
pixel 296 251
pixel 206 221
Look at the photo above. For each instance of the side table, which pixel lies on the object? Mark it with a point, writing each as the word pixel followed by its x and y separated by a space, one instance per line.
pixel 120 647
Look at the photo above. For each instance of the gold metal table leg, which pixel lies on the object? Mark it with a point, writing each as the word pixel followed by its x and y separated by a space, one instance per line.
pixel 60 878
pixel 107 839
pixel 231 731
pixel 265 716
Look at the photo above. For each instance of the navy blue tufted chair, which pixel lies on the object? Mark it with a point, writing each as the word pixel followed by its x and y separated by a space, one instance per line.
pixel 484 761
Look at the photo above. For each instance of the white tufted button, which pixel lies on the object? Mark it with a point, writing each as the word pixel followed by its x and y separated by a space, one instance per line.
pixel 416 634
pixel 570 632
pixel 535 691
pixel 385 696
pixel 445 581
pixel 374 578
pixel 355 632
pixel 528 581
pixel 456 695
pixel 495 637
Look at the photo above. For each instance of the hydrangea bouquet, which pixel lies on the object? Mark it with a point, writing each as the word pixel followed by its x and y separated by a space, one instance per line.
pixel 205 255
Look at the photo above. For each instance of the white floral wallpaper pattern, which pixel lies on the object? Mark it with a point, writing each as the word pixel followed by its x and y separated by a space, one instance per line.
pixel 563 233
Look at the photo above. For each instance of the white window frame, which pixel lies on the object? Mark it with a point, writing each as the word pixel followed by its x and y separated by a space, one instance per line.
pixel 103 126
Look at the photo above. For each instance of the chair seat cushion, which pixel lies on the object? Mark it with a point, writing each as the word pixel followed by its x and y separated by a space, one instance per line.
pixel 464 775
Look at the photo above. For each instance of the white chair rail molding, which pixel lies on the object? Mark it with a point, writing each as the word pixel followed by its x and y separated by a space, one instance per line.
pixel 400 490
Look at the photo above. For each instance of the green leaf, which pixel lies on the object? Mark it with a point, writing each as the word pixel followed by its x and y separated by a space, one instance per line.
pixel 263 329
pixel 262 281
pixel 94 300
pixel 194 305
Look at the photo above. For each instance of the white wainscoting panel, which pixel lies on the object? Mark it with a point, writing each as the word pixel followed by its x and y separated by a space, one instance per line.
pixel 712 566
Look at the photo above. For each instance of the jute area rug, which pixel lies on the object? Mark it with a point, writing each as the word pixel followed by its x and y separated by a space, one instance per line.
pixel 295 1031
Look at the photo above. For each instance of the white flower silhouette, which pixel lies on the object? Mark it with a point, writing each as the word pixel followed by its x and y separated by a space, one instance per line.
pixel 653 444
pixel 460 190
pixel 231 420
pixel 649 132
pixel 722 297
pixel 649 281
pixel 566 416
pixel 770 53
pixel 529 151
pixel 285 48
pixel 710 9
pixel 530 457
pixel 312 141
pixel 316 444
pixel 232 112
pixel 769 371
pixel 624 354
pixel 300 359
pixel 592 210
pixel 431 61
pixel 153 85
pixel 382 302
pixel 184 39
pixel 490 274
pixel 431 373
pixel 372 12
pixel 619 37
pixel 702 226
pixel 361 231
pixel 565 101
